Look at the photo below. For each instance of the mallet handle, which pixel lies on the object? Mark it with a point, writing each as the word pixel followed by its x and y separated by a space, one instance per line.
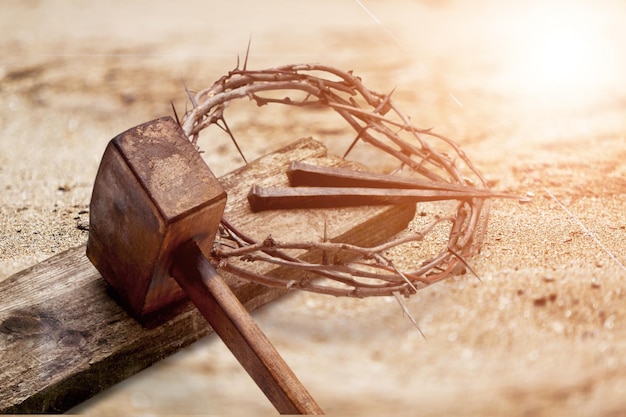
pixel 234 325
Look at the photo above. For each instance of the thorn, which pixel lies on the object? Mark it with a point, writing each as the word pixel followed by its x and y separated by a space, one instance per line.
pixel 464 262
pixel 404 277
pixel 354 142
pixel 384 106
pixel 406 311
pixel 232 137
pixel 245 63
pixel 191 97
pixel 175 114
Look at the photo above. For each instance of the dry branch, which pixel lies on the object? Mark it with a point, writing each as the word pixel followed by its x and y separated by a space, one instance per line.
pixel 377 122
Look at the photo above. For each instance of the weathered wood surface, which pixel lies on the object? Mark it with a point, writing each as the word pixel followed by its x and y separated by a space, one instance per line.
pixel 230 320
pixel 63 339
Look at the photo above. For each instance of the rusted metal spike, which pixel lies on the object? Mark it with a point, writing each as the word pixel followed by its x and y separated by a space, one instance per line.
pixel 278 198
pixel 302 174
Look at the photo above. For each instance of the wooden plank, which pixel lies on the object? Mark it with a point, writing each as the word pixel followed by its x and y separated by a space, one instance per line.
pixel 63 338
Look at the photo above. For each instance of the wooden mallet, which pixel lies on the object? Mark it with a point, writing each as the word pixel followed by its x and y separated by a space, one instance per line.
pixel 155 210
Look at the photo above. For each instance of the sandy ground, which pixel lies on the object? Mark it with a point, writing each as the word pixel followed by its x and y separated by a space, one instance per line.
pixel 534 93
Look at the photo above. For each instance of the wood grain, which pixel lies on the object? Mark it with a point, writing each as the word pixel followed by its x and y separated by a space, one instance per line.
pixel 63 338
pixel 238 330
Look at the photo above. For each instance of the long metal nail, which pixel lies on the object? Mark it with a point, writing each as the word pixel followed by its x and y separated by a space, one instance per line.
pixel 302 174
pixel 280 198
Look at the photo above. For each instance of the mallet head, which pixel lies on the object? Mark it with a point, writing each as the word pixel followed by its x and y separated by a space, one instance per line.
pixel 152 193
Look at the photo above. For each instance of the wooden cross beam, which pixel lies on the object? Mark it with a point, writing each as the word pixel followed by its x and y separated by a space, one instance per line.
pixel 63 339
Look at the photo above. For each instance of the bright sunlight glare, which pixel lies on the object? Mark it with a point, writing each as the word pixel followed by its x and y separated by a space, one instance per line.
pixel 563 53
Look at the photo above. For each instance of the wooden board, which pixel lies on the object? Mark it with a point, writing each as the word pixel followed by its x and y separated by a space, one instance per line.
pixel 63 339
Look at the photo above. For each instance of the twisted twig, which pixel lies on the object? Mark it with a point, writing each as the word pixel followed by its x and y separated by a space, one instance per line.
pixel 377 122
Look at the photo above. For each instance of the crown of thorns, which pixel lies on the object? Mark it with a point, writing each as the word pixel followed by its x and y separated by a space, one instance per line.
pixel 378 122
